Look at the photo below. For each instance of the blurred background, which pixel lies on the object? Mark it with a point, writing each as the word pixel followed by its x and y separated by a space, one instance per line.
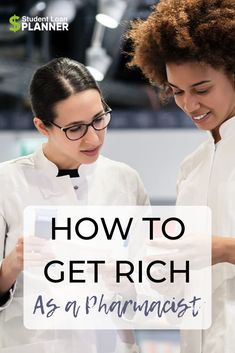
pixel 145 134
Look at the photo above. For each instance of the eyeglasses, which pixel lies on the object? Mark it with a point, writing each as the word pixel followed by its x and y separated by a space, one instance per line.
pixel 78 131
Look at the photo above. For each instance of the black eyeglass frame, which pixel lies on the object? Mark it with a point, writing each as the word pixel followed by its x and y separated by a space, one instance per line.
pixel 65 129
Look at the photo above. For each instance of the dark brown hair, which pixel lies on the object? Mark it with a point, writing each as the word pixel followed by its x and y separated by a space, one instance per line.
pixel 55 81
pixel 180 31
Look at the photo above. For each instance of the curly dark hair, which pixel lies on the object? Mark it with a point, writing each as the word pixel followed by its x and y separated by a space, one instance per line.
pixel 180 31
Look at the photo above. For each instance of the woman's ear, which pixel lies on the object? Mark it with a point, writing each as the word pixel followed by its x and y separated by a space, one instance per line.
pixel 40 126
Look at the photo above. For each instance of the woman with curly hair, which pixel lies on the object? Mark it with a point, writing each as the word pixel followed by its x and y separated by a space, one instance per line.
pixel 187 49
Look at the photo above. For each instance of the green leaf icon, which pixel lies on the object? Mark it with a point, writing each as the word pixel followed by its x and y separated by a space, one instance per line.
pixel 13 20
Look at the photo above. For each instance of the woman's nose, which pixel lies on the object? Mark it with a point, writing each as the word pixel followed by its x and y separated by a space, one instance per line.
pixel 191 104
pixel 91 135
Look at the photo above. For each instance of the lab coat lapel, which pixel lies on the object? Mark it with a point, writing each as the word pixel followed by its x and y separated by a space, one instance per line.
pixel 60 189
pixel 57 189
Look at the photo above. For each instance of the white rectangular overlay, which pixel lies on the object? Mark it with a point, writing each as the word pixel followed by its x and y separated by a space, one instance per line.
pixel 117 267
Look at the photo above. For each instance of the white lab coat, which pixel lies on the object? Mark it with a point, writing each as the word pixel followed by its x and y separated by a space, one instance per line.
pixel 207 177
pixel 32 180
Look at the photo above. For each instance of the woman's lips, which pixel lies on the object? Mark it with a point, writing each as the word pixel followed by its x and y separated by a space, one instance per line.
pixel 201 119
pixel 91 152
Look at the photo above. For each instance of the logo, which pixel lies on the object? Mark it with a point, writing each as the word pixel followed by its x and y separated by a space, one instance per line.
pixel 15 24
pixel 37 23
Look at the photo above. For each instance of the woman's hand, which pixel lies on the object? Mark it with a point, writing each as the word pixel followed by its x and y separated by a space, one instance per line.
pixel 223 250
pixel 196 248
pixel 36 254
pixel 12 266
pixel 16 257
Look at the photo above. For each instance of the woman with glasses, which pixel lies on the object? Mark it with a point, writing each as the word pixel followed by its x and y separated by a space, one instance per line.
pixel 67 169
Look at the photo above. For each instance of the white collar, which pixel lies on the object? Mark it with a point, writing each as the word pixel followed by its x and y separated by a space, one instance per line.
pixel 50 185
pixel 42 162
pixel 226 129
